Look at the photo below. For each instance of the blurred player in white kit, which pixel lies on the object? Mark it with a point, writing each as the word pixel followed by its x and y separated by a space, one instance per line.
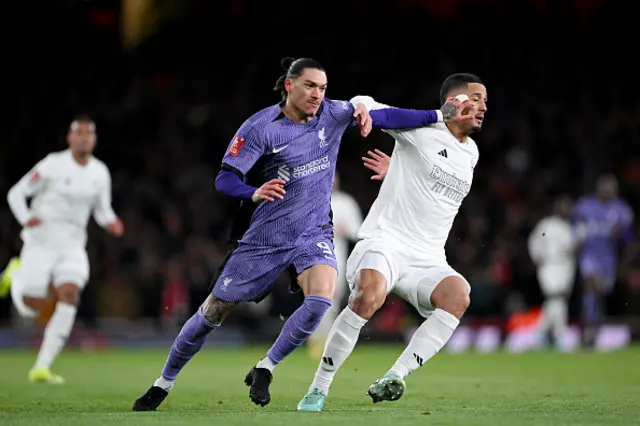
pixel 347 219
pixel 552 247
pixel 65 188
pixel 402 246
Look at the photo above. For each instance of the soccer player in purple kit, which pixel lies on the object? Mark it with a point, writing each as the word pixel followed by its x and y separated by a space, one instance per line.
pixel 285 224
pixel 602 221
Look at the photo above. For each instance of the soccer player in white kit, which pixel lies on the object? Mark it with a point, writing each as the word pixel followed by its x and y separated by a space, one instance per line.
pixel 552 248
pixel 347 219
pixel 402 247
pixel 65 187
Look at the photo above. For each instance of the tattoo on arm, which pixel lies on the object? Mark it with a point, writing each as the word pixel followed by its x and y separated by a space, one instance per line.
pixel 449 111
pixel 215 310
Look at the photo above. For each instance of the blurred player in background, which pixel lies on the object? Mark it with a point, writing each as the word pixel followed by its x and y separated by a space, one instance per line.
pixel 403 238
pixel 552 248
pixel 347 219
pixel 65 187
pixel 602 221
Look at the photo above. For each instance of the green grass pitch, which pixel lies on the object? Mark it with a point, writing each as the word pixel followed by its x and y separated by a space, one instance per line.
pixel 471 389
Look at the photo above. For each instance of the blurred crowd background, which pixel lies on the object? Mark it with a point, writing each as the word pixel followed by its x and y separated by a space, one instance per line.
pixel 169 82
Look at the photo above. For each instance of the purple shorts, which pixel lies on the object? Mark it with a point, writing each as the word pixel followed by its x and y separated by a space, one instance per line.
pixel 249 272
pixel 598 266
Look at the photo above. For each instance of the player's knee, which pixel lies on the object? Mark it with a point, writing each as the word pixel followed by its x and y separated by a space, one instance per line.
pixel 318 280
pixel 452 296
pixel 33 303
pixel 593 285
pixel 68 293
pixel 215 310
pixel 369 294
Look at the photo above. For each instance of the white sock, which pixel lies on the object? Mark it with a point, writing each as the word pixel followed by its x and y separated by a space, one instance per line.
pixel 427 341
pixel 56 334
pixel 559 317
pixel 546 319
pixel 164 383
pixel 340 343
pixel 266 363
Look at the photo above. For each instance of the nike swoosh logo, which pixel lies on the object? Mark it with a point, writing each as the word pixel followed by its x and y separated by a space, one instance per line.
pixel 277 150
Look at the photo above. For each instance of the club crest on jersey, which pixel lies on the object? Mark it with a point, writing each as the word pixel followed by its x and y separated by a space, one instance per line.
pixel 225 284
pixel 323 139
pixel 236 146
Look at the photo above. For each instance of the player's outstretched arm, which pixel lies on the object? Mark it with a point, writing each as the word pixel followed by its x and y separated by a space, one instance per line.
pixel 391 118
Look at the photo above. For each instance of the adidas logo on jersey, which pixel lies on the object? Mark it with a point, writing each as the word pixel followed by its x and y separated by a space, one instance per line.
pixel 443 153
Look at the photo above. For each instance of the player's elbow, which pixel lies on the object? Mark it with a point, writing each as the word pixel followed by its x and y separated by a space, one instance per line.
pixel 367 101
pixel 14 196
pixel 220 181
pixel 228 183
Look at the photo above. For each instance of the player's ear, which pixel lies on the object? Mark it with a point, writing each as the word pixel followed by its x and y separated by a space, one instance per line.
pixel 287 85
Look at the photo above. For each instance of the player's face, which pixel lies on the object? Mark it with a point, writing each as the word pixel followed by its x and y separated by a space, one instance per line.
pixel 82 137
pixel 307 91
pixel 477 94
pixel 607 188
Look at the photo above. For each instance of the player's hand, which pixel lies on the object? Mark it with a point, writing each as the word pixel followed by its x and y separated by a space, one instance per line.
pixel 34 221
pixel 269 191
pixel 364 120
pixel 379 163
pixel 456 109
pixel 116 228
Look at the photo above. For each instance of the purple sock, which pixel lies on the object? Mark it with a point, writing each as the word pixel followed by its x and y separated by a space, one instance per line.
pixel 191 338
pixel 299 327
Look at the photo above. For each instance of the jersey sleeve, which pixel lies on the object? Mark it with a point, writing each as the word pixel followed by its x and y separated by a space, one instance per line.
pixel 28 186
pixel 626 215
pixel 245 149
pixel 342 112
pixel 103 213
pixel 401 135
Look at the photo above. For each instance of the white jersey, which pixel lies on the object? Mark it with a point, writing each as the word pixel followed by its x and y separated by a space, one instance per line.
pixel 430 174
pixel 552 242
pixel 347 219
pixel 64 194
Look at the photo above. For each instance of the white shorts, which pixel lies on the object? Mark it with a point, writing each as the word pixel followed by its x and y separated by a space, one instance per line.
pixel 41 265
pixel 413 281
pixel 556 279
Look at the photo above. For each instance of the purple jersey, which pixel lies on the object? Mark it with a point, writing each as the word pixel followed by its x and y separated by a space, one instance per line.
pixel 601 225
pixel 268 146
